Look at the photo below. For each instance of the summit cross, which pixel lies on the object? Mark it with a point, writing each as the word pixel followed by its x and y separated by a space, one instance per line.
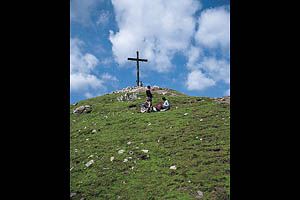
pixel 137 59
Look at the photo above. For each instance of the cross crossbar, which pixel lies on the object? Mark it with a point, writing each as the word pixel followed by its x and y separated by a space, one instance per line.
pixel 143 60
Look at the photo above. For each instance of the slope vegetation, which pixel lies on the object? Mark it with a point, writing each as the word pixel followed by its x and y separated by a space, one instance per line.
pixel 119 153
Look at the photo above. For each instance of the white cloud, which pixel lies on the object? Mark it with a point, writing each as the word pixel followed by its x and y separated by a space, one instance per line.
pixel 81 63
pixel 82 67
pixel 107 76
pixel 112 80
pixel 88 95
pixel 103 18
pixel 216 69
pixel 213 34
pixel 193 55
pixel 227 92
pixel 196 80
pixel 81 11
pixel 107 61
pixel 157 29
pixel 81 82
pixel 214 28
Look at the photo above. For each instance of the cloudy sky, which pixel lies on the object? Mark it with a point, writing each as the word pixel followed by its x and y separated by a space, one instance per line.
pixel 187 44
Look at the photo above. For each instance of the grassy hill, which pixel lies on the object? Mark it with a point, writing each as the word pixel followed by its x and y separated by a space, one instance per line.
pixel 196 143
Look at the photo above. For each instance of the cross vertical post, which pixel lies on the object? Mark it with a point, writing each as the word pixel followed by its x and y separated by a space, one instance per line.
pixel 138 69
pixel 137 59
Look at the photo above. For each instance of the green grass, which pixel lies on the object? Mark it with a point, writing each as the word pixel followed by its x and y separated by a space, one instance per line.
pixel 172 139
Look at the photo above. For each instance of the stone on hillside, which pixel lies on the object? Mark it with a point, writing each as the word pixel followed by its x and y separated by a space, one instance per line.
pixel 120 98
pixel 145 151
pixel 121 151
pixel 79 110
pixel 185 114
pixel 173 167
pixel 112 158
pixel 199 195
pixel 127 97
pixel 132 97
pixel 72 194
pixel 94 131
pixel 83 109
pixel 89 163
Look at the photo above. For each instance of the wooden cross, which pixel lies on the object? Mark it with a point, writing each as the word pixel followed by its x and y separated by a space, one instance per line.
pixel 137 64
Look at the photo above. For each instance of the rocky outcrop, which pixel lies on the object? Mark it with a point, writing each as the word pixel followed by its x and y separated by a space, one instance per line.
pixel 134 89
pixel 225 99
pixel 127 97
pixel 83 109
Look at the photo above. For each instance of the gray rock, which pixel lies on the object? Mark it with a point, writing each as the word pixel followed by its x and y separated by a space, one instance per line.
pixel 87 109
pixel 121 151
pixel 199 195
pixel 173 167
pixel 89 163
pixel 127 97
pixel 79 110
pixel 83 109
pixel 72 194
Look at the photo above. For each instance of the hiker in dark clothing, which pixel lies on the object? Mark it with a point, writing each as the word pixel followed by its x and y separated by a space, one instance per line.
pixel 148 93
pixel 149 98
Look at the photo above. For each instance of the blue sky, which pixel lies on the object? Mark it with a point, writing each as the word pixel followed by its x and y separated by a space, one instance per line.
pixel 187 44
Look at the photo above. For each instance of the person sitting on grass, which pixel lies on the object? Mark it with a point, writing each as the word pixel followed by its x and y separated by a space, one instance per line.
pixel 166 105
pixel 143 108
pixel 159 107
pixel 146 107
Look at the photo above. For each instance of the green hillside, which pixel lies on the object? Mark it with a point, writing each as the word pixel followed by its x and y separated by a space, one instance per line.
pixel 188 148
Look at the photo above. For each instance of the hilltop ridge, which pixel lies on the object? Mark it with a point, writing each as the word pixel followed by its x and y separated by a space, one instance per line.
pixel 154 89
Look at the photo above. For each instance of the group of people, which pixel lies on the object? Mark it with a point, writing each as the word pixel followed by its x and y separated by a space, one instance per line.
pixel 148 107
